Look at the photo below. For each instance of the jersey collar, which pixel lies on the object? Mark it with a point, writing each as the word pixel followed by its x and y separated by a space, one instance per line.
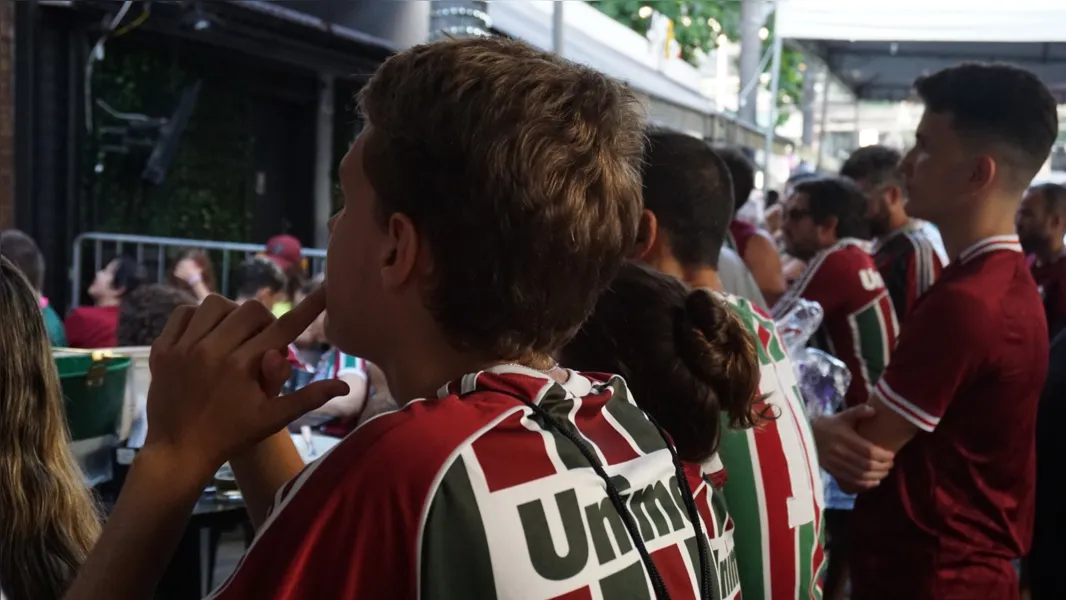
pixel 1008 243
pixel 576 383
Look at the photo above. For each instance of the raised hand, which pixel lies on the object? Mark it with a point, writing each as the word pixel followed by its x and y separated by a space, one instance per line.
pixel 216 372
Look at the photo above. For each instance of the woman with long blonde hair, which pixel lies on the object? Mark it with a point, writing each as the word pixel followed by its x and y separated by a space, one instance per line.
pixel 48 521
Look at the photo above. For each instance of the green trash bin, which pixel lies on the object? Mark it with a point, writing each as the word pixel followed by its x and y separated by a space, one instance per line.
pixel 94 391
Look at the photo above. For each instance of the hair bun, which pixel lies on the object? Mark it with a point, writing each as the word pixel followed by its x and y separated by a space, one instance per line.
pixel 717 349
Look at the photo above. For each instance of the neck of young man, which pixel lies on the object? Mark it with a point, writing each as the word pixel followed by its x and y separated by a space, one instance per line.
pixel 698 276
pixel 959 232
pixel 426 365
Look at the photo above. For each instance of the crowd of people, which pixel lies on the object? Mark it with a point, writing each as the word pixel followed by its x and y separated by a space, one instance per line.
pixel 553 359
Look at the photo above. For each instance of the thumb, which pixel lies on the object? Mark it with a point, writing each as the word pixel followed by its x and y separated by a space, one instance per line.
pixel 286 409
pixel 857 413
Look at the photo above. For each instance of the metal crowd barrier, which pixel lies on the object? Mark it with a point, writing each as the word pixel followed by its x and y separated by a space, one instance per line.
pixel 158 253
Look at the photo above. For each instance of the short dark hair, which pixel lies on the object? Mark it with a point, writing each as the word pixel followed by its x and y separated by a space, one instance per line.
pixel 688 188
pixel 1054 197
pixel 129 274
pixel 22 251
pixel 876 164
pixel 527 189
pixel 144 313
pixel 742 170
pixel 998 105
pixel 687 359
pixel 257 273
pixel 837 197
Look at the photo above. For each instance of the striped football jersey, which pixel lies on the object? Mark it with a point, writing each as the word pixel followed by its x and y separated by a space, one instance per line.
pixel 774 489
pixel 909 262
pixel 473 494
pixel 859 326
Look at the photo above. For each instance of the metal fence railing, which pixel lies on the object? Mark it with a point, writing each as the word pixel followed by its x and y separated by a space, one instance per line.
pixel 94 250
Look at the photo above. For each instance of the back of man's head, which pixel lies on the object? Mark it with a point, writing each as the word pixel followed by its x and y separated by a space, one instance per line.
pixel 520 170
pixel 838 198
pixel 256 274
pixel 145 311
pixel 1054 196
pixel 873 165
pixel 997 109
pixel 23 252
pixel 742 172
pixel 688 188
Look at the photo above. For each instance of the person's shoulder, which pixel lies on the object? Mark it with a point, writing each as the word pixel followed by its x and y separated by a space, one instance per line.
pixel 957 304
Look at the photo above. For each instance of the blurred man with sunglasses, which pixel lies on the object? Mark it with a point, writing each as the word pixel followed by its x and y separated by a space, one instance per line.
pixel 907 256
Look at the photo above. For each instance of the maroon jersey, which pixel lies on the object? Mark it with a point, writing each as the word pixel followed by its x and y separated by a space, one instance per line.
pixel 472 495
pixel 967 371
pixel 740 232
pixel 909 263
pixel 92 327
pixel 859 326
pixel 1051 282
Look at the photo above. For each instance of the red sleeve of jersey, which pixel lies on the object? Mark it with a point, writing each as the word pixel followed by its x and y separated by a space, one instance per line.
pixel 348 526
pixel 941 343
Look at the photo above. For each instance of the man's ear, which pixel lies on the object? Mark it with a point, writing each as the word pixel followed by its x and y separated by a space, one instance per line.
pixel 895 194
pixel 828 228
pixel 647 233
pixel 403 252
pixel 984 172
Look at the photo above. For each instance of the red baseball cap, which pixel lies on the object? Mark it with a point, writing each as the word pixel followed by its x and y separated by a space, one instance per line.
pixel 285 251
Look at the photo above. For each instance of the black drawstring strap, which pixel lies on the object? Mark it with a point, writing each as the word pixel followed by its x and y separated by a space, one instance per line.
pixel 707 582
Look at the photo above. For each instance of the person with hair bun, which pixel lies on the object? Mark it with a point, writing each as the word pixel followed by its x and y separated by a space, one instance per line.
pixel 690 365
pixel 774 490
pixel 688 359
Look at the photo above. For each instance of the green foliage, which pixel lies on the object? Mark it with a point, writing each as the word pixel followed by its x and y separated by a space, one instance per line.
pixel 205 193
pixel 693 32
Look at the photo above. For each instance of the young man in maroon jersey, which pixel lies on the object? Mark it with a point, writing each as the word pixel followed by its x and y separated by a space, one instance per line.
pixel 488 203
pixel 958 401
pixel 908 259
pixel 1041 224
pixel 754 245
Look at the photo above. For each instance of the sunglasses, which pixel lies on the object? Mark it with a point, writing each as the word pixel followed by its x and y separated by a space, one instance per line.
pixel 797 214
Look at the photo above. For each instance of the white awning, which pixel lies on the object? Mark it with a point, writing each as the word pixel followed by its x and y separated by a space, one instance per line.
pixel 878 47
pixel 1036 21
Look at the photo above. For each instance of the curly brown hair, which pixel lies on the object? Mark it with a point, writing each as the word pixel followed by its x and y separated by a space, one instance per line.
pixel 145 311
pixel 527 188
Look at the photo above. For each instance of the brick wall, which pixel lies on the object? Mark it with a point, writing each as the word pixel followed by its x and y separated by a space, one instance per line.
pixel 7 113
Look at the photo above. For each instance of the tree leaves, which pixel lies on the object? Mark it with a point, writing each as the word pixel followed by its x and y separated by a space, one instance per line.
pixel 697 25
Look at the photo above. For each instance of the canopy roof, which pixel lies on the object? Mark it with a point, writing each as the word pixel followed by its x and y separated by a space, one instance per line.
pixel 878 47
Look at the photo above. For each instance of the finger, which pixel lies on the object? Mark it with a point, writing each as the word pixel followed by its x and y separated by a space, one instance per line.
pixel 286 409
pixel 856 413
pixel 848 473
pixel 289 326
pixel 212 311
pixel 861 461
pixel 275 370
pixel 241 325
pixel 175 327
pixel 861 446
